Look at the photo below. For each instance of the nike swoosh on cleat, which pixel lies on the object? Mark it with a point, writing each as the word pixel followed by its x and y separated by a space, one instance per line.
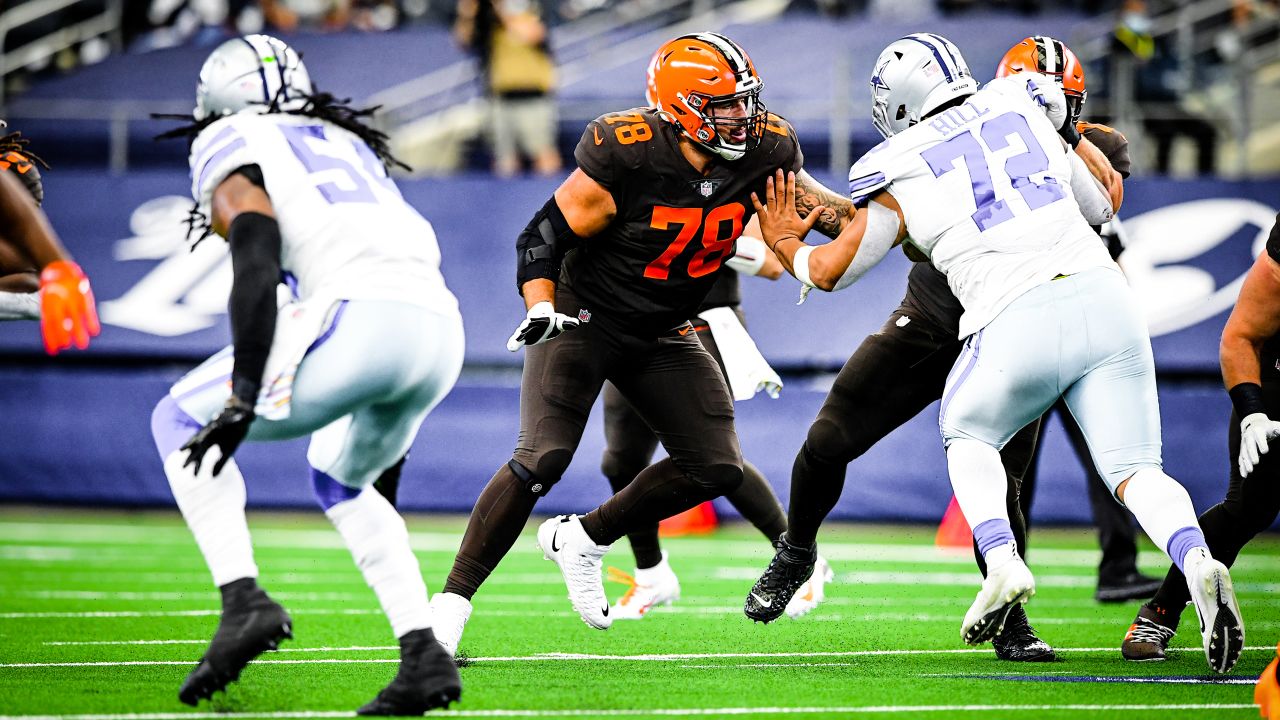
pixel 762 600
pixel 606 611
pixel 553 540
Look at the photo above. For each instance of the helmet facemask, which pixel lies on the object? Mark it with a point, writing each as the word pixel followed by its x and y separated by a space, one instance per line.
pixel 732 125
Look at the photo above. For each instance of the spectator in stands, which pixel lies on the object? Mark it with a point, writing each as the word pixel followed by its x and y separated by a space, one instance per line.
pixel 1156 90
pixel 510 39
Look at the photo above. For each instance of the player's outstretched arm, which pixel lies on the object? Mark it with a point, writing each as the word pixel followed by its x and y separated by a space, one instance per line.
pixel 243 214
pixel 580 208
pixel 1255 318
pixel 837 211
pixel 1100 167
pixel 834 266
pixel 68 314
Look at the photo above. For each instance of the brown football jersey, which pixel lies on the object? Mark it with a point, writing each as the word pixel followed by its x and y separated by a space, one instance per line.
pixel 652 267
pixel 1111 142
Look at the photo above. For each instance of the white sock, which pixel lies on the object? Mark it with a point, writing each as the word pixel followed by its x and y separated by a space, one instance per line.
pixel 1000 554
pixel 1162 507
pixel 214 510
pixel 379 543
pixel 978 480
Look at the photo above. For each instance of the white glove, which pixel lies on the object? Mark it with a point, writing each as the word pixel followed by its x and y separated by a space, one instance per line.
pixel 542 323
pixel 1255 431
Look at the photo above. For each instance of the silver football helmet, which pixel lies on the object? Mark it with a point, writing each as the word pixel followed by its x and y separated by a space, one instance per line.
pixel 912 77
pixel 251 70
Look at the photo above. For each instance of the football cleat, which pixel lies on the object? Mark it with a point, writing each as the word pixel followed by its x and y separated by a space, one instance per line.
pixel 564 542
pixel 812 591
pixel 1018 641
pixel 790 567
pixel 1132 586
pixel 1005 587
pixel 449 615
pixel 1220 623
pixel 251 624
pixel 649 587
pixel 427 679
pixel 1148 637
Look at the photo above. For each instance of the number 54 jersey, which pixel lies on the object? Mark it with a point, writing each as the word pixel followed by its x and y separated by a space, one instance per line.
pixel 989 192
pixel 649 270
pixel 346 231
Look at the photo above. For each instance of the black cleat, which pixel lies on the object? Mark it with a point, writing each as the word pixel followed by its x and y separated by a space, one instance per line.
pixel 1130 586
pixel 1018 641
pixel 251 624
pixel 790 567
pixel 1149 635
pixel 427 679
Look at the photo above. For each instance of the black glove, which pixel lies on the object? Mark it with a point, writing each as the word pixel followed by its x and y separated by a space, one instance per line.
pixel 226 431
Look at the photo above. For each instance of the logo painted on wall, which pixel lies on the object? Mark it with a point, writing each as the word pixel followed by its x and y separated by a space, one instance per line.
pixel 187 291
pixel 1186 262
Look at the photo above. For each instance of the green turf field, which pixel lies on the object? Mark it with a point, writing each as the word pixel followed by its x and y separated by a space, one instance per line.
pixel 103 613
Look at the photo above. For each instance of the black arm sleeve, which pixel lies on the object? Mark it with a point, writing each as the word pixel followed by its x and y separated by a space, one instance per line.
pixel 255 265
pixel 542 245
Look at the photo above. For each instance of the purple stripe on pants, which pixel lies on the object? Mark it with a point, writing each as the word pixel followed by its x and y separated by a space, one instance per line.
pixel 976 345
pixel 330 492
pixel 171 426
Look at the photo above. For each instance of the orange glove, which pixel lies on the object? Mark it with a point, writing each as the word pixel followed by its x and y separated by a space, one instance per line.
pixel 67 310
pixel 1267 694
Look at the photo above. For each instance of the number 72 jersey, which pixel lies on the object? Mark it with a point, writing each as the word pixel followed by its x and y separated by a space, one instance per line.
pixel 986 189
pixel 651 268
pixel 346 231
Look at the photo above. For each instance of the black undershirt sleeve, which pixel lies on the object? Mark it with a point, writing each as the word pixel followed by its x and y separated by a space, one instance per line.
pixel 255 265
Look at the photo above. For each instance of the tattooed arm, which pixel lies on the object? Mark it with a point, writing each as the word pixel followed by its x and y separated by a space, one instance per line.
pixel 838 210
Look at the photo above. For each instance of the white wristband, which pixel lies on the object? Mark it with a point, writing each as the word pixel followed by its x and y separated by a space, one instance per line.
pixel 800 265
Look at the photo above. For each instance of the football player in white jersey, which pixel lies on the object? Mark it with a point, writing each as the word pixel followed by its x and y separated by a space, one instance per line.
pixel 983 184
pixel 370 343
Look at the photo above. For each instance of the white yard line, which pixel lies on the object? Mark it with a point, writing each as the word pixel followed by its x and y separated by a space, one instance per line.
pixel 561 657
pixel 666 712
pixel 326 539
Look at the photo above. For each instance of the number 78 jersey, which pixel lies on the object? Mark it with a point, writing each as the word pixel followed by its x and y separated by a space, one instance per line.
pixel 986 192
pixel 346 231
pixel 651 268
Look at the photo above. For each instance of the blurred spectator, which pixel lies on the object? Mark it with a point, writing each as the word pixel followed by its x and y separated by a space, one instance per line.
pixel 288 15
pixel 510 40
pixel 1157 90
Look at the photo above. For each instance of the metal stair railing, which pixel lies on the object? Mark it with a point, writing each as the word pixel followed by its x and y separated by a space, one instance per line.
pixel 105 23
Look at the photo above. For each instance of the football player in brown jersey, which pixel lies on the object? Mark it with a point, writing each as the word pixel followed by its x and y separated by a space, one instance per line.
pixel 611 270
pixel 64 302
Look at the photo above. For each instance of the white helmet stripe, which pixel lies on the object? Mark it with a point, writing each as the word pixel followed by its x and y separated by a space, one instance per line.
pixel 282 58
pixel 952 52
pixel 728 48
pixel 942 62
pixel 1051 58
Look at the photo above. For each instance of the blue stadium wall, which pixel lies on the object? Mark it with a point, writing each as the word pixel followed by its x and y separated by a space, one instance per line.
pixel 75 429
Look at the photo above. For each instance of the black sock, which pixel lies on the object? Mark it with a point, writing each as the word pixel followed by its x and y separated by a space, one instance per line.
pixel 644 541
pixel 388 483
pixel 815 488
pixel 501 511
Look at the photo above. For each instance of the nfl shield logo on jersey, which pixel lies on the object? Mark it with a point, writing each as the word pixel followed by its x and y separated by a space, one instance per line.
pixel 706 187
pixel 584 315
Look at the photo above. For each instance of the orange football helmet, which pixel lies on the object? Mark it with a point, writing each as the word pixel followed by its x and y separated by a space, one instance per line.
pixel 707 86
pixel 1052 58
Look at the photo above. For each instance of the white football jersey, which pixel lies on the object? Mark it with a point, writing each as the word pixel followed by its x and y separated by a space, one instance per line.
pixel 986 193
pixel 346 231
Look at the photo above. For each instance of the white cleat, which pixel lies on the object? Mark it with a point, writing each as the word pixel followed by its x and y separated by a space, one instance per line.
pixel 1220 622
pixel 449 614
pixel 809 594
pixel 564 542
pixel 650 588
pixel 1005 587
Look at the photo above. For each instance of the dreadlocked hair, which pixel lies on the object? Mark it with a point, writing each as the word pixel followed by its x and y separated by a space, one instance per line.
pixel 14 142
pixel 320 105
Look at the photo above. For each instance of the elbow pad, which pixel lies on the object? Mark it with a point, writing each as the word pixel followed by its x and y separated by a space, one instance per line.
pixel 543 244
